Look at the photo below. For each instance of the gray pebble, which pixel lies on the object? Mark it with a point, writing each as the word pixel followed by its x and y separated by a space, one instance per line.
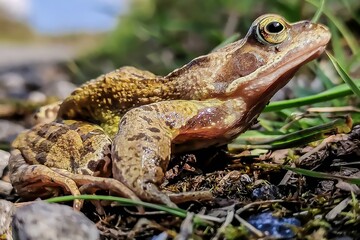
pixel 4 161
pixel 37 96
pixel 61 88
pixel 42 220
pixel 13 83
pixel 9 130
pixel 5 186
pixel 6 211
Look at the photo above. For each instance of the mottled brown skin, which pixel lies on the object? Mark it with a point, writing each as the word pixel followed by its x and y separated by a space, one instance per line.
pixel 206 103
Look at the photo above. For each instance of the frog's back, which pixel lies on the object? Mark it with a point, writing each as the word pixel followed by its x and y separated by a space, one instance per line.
pixel 105 99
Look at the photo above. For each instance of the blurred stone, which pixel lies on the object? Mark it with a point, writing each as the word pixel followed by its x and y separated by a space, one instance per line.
pixel 5 188
pixel 37 96
pixel 6 211
pixel 9 130
pixel 19 80
pixel 5 185
pixel 4 161
pixel 51 73
pixel 60 88
pixel 13 84
pixel 266 192
pixel 273 226
pixel 42 220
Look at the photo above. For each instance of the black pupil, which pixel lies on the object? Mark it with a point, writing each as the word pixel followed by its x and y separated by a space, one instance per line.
pixel 274 27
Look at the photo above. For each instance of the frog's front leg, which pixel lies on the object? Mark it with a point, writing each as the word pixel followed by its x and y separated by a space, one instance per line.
pixel 147 135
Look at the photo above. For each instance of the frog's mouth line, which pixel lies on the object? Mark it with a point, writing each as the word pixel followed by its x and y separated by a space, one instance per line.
pixel 283 72
pixel 280 78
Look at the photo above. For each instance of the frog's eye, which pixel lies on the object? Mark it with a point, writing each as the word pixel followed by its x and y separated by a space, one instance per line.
pixel 272 30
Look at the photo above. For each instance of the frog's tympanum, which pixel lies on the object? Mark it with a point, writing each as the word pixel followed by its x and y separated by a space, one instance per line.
pixel 127 123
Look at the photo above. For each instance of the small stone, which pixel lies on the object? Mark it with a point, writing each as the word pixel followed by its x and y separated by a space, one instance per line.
pixel 6 211
pixel 266 192
pixel 37 96
pixel 5 188
pixel 5 185
pixel 60 88
pixel 42 220
pixel 14 84
pixel 4 161
pixel 9 130
pixel 273 226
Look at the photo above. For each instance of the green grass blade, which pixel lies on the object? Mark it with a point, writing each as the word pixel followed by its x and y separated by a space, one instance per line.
pixel 175 211
pixel 344 75
pixel 318 12
pixel 322 175
pixel 350 39
pixel 292 139
pixel 336 44
pixel 198 219
pixel 333 93
pixel 350 9
pixel 326 81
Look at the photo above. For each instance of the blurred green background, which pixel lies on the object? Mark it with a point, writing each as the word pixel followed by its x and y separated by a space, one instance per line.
pixel 160 35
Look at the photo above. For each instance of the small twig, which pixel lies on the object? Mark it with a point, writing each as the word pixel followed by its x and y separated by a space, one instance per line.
pixel 321 146
pixel 337 209
pixel 250 205
pixel 186 228
pixel 209 218
pixel 287 176
pixel 228 220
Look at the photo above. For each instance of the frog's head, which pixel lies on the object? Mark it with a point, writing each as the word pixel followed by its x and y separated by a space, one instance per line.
pixel 266 59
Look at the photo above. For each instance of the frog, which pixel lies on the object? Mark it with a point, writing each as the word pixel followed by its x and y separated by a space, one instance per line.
pixel 118 132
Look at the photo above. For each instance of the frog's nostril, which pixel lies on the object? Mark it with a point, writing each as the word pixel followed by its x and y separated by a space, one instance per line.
pixel 308 25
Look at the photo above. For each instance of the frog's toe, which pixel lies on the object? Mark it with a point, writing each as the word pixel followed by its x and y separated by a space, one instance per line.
pixel 29 179
pixel 90 184
pixel 152 193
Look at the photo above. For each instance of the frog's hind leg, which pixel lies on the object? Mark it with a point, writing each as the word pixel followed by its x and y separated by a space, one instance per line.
pixel 90 184
pixel 28 179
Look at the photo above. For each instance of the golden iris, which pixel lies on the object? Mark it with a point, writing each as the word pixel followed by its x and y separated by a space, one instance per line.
pixel 272 30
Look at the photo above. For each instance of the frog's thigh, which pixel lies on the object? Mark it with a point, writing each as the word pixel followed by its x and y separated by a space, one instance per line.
pixel 142 147
pixel 27 178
